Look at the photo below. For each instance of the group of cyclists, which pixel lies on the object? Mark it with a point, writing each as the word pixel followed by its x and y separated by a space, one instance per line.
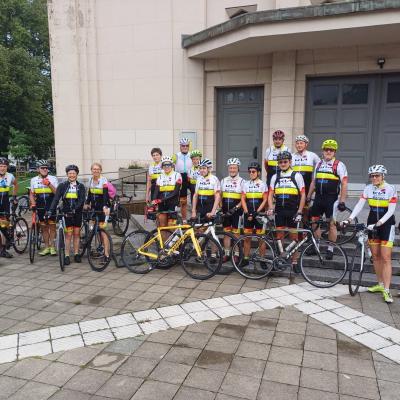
pixel 292 180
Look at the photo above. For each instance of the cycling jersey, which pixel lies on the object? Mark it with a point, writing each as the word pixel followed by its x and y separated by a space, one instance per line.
pixel 154 171
pixel 167 190
pixel 206 188
pixel 6 183
pixel 231 192
pixel 98 193
pixel 305 164
pixel 254 193
pixel 43 194
pixel 287 187
pixel 328 177
pixel 271 155
pixel 182 162
pixel 193 175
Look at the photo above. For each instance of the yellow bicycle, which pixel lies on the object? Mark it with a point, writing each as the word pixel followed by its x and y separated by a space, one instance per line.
pixel 199 254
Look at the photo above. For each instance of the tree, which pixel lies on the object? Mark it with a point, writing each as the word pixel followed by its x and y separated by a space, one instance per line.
pixel 25 79
pixel 20 147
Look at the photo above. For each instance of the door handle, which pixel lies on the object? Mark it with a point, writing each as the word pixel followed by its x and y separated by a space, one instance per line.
pixel 255 152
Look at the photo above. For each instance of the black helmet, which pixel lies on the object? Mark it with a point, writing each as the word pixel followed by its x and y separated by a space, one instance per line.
pixel 254 165
pixel 284 155
pixel 4 161
pixel 71 167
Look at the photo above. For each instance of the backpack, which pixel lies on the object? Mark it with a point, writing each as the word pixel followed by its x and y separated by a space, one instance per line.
pixel 292 178
pixel 112 190
pixel 334 166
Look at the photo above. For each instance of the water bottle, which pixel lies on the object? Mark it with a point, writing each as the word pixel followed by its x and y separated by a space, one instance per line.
pixel 173 240
pixel 291 246
pixel 105 222
pixel 280 247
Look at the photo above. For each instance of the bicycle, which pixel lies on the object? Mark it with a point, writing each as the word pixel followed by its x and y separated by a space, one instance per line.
pixel 265 257
pixel 17 232
pixel 35 236
pixel 23 204
pixel 119 216
pixel 200 255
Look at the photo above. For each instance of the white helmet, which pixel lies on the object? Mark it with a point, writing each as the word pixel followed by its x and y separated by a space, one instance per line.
pixel 377 169
pixel 205 162
pixel 184 140
pixel 302 138
pixel 166 160
pixel 233 161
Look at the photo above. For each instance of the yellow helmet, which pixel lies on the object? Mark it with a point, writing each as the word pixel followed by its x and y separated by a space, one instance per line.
pixel 330 144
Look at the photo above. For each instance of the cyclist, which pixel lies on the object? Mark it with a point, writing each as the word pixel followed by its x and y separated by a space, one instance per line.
pixel 382 199
pixel 287 191
pixel 166 193
pixel 8 183
pixel 41 195
pixel 208 191
pixel 98 200
pixel 154 172
pixel 194 172
pixel 270 161
pixel 72 195
pixel 330 186
pixel 231 188
pixel 183 163
pixel 254 199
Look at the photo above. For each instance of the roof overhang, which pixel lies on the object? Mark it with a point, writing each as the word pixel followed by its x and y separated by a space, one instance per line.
pixel 328 25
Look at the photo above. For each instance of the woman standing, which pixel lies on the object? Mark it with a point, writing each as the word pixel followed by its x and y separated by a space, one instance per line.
pixel 154 172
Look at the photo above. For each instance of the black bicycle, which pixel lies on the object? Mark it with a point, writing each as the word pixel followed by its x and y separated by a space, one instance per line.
pixel 35 236
pixel 16 235
pixel 119 216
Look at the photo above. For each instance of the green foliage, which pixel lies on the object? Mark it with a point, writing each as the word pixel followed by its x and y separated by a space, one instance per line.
pixel 25 81
pixel 19 146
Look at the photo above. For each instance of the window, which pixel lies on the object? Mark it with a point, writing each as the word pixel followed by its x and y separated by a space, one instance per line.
pixel 393 92
pixel 229 97
pixel 324 95
pixel 355 93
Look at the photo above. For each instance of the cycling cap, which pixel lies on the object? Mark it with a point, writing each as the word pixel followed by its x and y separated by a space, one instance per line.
pixel 377 169
pixel 196 153
pixel 205 162
pixel 302 138
pixel 254 165
pixel 42 163
pixel 278 135
pixel 233 161
pixel 3 161
pixel 184 140
pixel 71 167
pixel 166 160
pixel 284 155
pixel 330 144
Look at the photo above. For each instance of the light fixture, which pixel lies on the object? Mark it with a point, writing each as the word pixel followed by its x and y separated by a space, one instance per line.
pixel 381 62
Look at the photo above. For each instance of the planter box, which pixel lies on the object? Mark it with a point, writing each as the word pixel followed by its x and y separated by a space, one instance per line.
pixel 140 175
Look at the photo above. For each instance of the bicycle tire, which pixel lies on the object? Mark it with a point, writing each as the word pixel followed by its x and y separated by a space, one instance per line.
pixel 355 277
pixel 21 235
pixel 120 220
pixel 96 253
pixel 83 235
pixel 130 257
pixel 39 238
pixel 61 248
pixel 228 267
pixel 254 269
pixel 191 263
pixel 23 205
pixel 32 242
pixel 161 263
pixel 320 272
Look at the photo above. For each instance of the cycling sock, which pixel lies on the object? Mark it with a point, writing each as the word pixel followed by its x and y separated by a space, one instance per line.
pixel 330 248
pixel 227 252
pixel 387 290
pixel 380 284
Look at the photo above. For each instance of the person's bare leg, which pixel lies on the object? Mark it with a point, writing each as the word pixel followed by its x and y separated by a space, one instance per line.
pixel 52 234
pixel 377 261
pixel 386 263
pixel 76 240
pixel 68 238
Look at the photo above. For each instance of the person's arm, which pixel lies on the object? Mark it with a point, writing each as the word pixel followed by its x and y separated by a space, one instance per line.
pixel 15 187
pixel 302 189
pixel 52 186
pixel 264 202
pixel 174 193
pixel 243 202
pixel 106 196
pixel 359 206
pixel 271 200
pixel 343 190
pixel 57 197
pixel 311 190
pixel 81 197
pixel 148 188
pixel 388 214
pixel 32 199
pixel 194 205
pixel 217 197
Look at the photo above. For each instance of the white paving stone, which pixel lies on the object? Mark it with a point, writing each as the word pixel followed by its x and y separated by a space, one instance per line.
pixel 67 343
pixel 309 308
pixel 289 300
pixel 348 328
pixel 127 331
pixel 372 341
pixel 391 352
pixel 93 325
pixel 307 296
pixel 170 311
pixel 256 296
pixel 32 337
pixel 248 308
pixel 194 306
pixel 146 316
pixel 57 332
pixel 8 355
pixel 274 292
pixel 201 316
pixel 291 289
pixel 9 341
pixel 215 302
pixel 327 317
pixel 236 299
pixel 269 304
pixel 307 286
pixel 389 333
pixel 328 304
pixel 121 320
pixel 34 350
pixel 369 323
pixel 179 320
pixel 96 337
pixel 225 312
pixel 347 312
pixel 153 326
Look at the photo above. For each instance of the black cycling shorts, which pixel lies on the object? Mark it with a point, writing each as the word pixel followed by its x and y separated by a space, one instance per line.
pixel 250 226
pixel 168 206
pixel 73 220
pixel 285 218
pixel 323 205
pixel 204 209
pixel 185 185
pixel 41 212
pixel 231 223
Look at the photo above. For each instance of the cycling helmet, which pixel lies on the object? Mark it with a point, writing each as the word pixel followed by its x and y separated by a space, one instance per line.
pixel 3 161
pixel 71 167
pixel 205 162
pixel 377 169
pixel 196 153
pixel 302 138
pixel 233 161
pixel 254 165
pixel 278 135
pixel 166 160
pixel 329 144
pixel 184 140
pixel 284 155
pixel 42 163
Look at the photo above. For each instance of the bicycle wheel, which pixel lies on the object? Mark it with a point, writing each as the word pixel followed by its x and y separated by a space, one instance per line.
pixel 163 261
pixel 345 233
pixel 356 271
pixel 208 263
pixel 39 238
pixel 23 205
pixel 61 248
pixel 21 235
pixel 260 259
pixel 227 266
pixel 130 257
pixel 96 250
pixel 319 271
pixel 120 220
pixel 32 242
pixel 83 236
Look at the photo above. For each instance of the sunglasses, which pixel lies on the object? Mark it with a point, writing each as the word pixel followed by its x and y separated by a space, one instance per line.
pixel 253 171
pixel 331 150
pixel 283 162
pixel 374 175
pixel 184 145
pixel 167 165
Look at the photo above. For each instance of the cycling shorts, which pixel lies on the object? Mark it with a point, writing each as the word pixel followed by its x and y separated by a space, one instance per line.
pixel 383 236
pixel 324 205
pixel 4 213
pixel 185 185
pixel 167 206
pixel 253 225
pixel 285 218
pixel 204 209
pixel 41 213
pixel 73 220
pixel 231 223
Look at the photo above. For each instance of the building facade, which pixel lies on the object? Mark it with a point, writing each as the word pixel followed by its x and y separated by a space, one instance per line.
pixel 129 75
